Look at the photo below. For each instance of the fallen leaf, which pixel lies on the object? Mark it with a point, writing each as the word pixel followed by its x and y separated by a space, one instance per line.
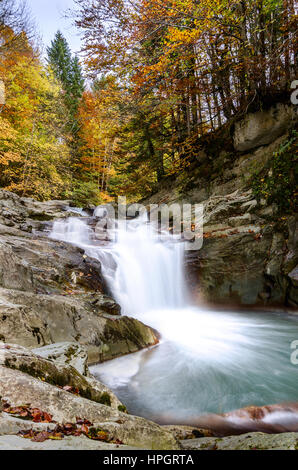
pixel 41 437
pixel 85 429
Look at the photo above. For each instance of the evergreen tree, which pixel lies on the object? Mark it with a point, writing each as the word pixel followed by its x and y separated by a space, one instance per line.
pixel 68 71
pixel 59 58
pixel 76 87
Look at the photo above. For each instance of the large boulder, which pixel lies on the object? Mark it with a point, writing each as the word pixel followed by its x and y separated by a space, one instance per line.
pixel 28 379
pixel 263 127
pixel 36 320
pixel 56 373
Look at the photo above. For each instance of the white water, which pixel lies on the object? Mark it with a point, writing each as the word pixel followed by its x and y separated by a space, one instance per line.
pixel 207 361
pixel 149 273
pixel 143 272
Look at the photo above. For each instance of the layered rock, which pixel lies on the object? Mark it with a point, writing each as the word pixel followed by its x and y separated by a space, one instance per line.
pixel 249 255
pixel 261 128
pixel 26 378
pixel 51 292
pixel 56 372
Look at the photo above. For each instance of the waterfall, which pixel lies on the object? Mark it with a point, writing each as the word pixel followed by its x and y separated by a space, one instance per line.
pixel 72 230
pixel 143 270
pixel 149 272
pixel 207 361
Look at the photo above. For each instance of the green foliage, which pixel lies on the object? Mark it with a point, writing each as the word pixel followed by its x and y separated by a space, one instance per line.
pixel 68 72
pixel 122 408
pixel 59 58
pixel 277 182
pixel 85 192
pixel 105 399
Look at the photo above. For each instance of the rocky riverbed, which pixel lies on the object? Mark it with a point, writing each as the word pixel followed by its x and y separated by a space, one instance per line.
pixel 57 317
pixel 51 291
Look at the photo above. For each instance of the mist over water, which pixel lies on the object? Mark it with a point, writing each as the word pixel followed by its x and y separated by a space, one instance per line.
pixel 207 361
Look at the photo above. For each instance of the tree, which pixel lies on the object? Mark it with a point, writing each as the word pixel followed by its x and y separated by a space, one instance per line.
pixel 59 59
pixel 34 156
pixel 68 71
pixel 190 66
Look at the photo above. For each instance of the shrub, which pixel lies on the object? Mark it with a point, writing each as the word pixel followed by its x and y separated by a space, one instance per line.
pixel 276 182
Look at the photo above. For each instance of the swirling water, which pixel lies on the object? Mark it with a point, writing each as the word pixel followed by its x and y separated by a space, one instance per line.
pixel 207 361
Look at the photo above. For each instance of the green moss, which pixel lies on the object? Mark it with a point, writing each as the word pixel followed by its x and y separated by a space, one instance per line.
pixel 70 353
pixel 105 399
pixel 122 408
pixel 41 217
pixel 57 379
pixel 98 434
pixel 276 183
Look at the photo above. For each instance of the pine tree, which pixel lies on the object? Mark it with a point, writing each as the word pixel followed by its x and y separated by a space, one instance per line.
pixel 68 71
pixel 59 59
pixel 76 87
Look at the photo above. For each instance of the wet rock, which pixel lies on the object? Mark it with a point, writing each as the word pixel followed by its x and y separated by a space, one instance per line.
pixel 293 275
pixel 293 291
pixel 107 304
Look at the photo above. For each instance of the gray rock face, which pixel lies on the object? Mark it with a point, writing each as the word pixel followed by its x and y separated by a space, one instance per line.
pixel 68 443
pixel 36 320
pixel 251 441
pixel 263 127
pixel 51 292
pixel 244 260
pixel 56 373
pixel 69 354
pixel 15 273
pixel 19 387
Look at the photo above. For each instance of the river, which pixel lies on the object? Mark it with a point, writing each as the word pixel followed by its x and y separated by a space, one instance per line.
pixel 207 361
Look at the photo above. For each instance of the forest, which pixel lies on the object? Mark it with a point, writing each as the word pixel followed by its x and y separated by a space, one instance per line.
pixel 154 81
pixel 168 321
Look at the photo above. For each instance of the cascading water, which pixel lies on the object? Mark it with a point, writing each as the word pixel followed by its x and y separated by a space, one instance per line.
pixel 149 273
pixel 207 361
pixel 143 272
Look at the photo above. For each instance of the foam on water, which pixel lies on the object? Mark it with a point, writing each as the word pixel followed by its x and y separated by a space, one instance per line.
pixel 207 361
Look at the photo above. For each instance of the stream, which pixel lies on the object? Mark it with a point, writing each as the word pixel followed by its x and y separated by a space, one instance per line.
pixel 207 361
